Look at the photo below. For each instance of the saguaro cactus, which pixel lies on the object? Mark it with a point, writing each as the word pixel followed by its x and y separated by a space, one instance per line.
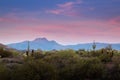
pixel 32 52
pixel 94 45
pixel 28 49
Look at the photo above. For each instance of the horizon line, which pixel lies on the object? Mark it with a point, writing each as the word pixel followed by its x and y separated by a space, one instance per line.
pixel 75 43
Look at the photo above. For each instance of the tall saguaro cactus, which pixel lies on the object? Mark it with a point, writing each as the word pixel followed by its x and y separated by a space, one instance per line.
pixel 28 49
pixel 94 45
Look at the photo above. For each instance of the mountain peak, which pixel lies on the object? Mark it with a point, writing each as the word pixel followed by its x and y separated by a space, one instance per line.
pixel 38 43
pixel 41 39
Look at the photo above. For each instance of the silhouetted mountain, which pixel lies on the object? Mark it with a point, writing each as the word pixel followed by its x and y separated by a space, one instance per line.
pixel 44 44
pixel 39 43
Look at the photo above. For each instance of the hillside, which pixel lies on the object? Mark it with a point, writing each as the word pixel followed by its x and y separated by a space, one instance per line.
pixel 3 46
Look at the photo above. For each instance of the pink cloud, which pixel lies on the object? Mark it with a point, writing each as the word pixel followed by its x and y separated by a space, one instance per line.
pixel 84 28
pixel 115 21
pixel 62 31
pixel 67 5
pixel 66 9
pixel 67 32
pixel 59 11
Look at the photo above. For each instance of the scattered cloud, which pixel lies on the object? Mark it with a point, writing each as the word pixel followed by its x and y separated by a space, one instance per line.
pixel 67 9
pixel 115 21
pixel 88 20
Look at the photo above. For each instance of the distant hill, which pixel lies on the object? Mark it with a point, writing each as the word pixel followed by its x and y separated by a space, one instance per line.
pixel 88 46
pixel 44 44
pixel 2 46
pixel 7 47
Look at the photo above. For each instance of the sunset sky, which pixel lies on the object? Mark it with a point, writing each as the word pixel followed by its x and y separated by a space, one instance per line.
pixel 65 21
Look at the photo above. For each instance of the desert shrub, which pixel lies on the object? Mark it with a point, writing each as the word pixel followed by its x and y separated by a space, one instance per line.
pixel 62 58
pixel 83 53
pixel 96 53
pixel 91 69
pixel 80 51
pixel 15 53
pixel 4 72
pixel 37 55
pixel 105 58
pixel 5 53
pixel 63 65
pixel 34 70
pixel 116 53
pixel 116 59
pixel 113 73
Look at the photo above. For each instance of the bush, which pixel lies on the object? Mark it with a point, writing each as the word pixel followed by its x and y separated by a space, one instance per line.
pixel 34 70
pixel 113 74
pixel 62 65
pixel 37 55
pixel 62 58
pixel 5 53
pixel 116 60
pixel 85 69
pixel 83 53
pixel 4 72
pixel 105 58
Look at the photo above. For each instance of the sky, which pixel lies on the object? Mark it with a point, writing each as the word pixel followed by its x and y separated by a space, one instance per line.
pixel 65 21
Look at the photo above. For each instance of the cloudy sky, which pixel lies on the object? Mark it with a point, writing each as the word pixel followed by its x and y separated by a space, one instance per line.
pixel 65 21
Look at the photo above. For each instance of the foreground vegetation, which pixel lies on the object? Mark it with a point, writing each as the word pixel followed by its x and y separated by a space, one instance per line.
pixel 103 64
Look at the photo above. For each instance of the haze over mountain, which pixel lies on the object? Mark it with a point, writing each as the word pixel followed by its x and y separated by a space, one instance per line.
pixel 44 44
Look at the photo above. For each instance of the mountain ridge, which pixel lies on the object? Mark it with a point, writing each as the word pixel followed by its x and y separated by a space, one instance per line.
pixel 45 44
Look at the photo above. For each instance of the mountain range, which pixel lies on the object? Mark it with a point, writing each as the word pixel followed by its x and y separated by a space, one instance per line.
pixel 45 44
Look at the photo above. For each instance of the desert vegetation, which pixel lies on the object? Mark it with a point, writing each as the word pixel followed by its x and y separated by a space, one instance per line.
pixel 103 64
